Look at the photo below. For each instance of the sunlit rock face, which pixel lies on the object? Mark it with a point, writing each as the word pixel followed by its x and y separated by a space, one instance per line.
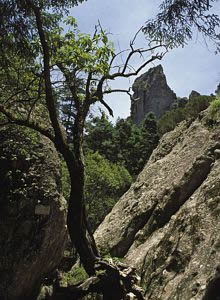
pixel 32 212
pixel 151 94
pixel 167 225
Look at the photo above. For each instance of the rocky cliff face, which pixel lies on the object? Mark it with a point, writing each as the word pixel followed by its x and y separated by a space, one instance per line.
pixel 167 224
pixel 151 94
pixel 32 212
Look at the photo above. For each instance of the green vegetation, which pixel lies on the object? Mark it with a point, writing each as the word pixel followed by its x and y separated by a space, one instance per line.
pixel 125 143
pixel 189 112
pixel 114 155
pixel 214 109
pixel 177 21
pixel 43 67
pixel 76 275
pixel 105 183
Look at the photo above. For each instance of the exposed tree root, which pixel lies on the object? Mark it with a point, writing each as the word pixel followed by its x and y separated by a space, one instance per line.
pixel 112 280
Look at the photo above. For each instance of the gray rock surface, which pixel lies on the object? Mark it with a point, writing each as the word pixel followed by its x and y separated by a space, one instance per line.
pixel 32 212
pixel 218 89
pixel 194 94
pixel 151 94
pixel 167 225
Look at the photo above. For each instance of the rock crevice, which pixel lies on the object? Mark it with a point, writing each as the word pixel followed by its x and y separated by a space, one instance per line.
pixel 176 199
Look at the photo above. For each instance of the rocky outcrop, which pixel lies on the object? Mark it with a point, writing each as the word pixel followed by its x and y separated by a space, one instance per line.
pixel 218 89
pixel 194 94
pixel 32 212
pixel 167 224
pixel 151 94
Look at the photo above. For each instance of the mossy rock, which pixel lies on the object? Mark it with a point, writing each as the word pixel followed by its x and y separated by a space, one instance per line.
pixel 32 211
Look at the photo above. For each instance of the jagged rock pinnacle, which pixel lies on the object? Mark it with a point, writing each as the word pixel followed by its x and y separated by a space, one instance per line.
pixel 151 94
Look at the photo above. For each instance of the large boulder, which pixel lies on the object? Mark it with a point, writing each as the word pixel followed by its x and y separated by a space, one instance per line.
pixel 167 224
pixel 32 212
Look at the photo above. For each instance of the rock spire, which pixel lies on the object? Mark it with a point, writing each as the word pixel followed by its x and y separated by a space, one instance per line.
pixel 151 94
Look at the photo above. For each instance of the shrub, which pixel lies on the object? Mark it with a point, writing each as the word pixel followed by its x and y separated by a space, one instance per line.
pixel 105 183
pixel 190 112
pixel 214 109
pixel 76 275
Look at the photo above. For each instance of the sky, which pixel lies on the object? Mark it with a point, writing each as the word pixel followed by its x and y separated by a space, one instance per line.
pixel 194 67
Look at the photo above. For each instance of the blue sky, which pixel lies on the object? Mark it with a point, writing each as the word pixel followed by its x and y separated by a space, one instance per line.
pixel 194 67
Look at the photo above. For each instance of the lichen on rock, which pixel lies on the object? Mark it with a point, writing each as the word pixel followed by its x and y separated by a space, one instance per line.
pixel 167 225
pixel 32 212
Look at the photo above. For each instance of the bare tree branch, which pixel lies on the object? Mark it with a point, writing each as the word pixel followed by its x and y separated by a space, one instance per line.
pixel 134 39
pixel 118 91
pixel 140 51
pixel 115 56
pixel 107 107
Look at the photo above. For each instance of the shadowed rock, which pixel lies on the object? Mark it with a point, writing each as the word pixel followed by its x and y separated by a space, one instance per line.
pixel 32 212
pixel 151 94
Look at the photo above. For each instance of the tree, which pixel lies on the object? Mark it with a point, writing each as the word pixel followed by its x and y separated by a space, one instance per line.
pixel 99 137
pixel 31 88
pixel 177 21
pixel 150 138
pixel 105 184
pixel 189 112
pixel 125 143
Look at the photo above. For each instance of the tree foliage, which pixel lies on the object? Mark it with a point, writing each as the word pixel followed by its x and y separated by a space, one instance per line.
pixel 177 21
pixel 125 143
pixel 105 183
pixel 214 109
pixel 188 112
pixel 99 137
pixel 17 15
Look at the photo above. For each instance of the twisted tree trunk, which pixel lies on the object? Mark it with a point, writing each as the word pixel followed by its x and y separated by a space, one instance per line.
pixel 114 282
